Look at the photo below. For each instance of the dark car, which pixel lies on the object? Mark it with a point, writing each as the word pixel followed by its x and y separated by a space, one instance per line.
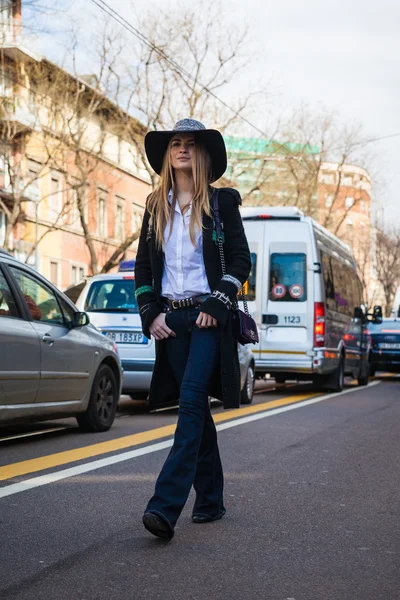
pixel 385 346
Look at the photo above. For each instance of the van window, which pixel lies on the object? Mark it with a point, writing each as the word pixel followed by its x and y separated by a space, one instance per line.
pixel 112 295
pixel 328 282
pixel 288 277
pixel 342 286
pixel 249 286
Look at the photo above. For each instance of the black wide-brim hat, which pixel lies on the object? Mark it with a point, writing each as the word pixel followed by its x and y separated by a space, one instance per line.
pixel 156 145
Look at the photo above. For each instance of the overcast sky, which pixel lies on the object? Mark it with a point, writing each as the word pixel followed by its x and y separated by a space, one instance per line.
pixel 343 55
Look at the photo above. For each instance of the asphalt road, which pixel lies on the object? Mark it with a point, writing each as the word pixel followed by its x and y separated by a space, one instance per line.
pixel 312 497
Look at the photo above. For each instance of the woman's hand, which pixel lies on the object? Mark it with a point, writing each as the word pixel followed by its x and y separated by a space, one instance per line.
pixel 205 320
pixel 159 329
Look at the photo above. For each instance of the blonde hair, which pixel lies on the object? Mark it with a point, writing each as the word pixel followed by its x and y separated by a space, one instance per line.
pixel 161 211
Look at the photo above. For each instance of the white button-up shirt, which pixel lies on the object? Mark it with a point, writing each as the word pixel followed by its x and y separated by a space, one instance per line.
pixel 184 272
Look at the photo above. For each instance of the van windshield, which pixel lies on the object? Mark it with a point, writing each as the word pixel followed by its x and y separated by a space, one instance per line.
pixel 113 295
pixel 288 277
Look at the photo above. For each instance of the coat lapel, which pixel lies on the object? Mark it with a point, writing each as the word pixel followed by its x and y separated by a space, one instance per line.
pixel 209 250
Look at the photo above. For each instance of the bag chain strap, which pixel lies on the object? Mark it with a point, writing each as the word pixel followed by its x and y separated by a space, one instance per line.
pixel 241 294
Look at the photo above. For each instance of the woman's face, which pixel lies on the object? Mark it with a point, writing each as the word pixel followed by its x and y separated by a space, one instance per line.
pixel 182 151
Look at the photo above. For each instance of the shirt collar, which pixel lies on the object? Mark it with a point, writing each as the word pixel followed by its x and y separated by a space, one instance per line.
pixel 177 207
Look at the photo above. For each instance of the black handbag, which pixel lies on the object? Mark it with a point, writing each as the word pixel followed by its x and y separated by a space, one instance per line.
pixel 243 325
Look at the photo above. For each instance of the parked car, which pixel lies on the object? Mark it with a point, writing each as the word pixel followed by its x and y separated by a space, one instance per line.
pixel 247 374
pixel 306 297
pixel 53 363
pixel 110 302
pixel 385 346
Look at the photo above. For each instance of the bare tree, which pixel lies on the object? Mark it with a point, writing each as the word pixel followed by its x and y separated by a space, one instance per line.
pixel 388 264
pixel 81 118
pixel 365 259
pixel 208 59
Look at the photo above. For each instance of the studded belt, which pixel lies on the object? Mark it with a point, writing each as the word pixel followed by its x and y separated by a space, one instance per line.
pixel 192 302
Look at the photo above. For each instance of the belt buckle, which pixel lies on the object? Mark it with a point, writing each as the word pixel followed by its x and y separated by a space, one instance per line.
pixel 175 304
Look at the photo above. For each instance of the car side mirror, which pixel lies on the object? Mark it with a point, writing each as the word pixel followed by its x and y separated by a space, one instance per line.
pixel 359 313
pixel 377 314
pixel 80 319
pixel 398 312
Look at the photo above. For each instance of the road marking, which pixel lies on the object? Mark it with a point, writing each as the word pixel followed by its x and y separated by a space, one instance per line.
pixel 32 433
pixel 61 458
pixel 104 462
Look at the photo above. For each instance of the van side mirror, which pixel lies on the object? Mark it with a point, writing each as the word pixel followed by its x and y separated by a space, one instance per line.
pixel 359 313
pixel 80 319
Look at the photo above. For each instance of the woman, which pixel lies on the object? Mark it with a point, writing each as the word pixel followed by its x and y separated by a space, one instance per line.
pixel 184 303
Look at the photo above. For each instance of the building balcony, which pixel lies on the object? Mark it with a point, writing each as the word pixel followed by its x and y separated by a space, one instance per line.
pixel 12 111
pixel 29 192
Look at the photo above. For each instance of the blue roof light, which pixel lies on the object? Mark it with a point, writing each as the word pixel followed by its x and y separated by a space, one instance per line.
pixel 126 265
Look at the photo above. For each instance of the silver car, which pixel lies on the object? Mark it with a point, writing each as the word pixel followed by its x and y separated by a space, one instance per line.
pixel 53 363
pixel 110 302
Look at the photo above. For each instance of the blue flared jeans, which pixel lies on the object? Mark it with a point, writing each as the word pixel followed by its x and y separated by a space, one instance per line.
pixel 194 457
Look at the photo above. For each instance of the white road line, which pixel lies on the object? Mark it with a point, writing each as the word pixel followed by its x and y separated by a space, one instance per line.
pixel 35 482
pixel 32 433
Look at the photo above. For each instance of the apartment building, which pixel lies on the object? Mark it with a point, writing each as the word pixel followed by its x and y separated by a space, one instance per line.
pixel 72 184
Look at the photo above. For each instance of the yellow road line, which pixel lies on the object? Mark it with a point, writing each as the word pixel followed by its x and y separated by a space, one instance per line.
pixel 61 458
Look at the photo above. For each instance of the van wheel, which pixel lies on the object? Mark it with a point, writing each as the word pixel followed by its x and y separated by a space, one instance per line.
pixel 246 395
pixel 279 379
pixel 100 413
pixel 335 381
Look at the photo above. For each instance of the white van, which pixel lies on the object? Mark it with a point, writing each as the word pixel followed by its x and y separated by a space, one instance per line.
pixel 303 290
pixel 396 304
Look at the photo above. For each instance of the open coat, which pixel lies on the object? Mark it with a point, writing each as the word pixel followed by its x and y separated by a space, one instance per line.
pixel 225 384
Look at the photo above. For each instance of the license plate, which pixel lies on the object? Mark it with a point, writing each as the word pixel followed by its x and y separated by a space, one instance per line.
pixel 126 337
pixel 386 346
pixel 290 320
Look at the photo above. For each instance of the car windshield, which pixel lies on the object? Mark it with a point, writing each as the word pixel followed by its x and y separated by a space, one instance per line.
pixel 112 295
pixel 389 326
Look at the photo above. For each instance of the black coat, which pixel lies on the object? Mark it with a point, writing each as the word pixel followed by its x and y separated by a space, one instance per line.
pixel 225 384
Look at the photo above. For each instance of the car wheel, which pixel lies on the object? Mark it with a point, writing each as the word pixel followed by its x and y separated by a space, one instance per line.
pixel 363 378
pixel 372 371
pixel 335 381
pixel 279 379
pixel 246 396
pixel 100 413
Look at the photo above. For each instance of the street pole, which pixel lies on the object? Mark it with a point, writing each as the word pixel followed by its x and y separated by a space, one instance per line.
pixel 36 235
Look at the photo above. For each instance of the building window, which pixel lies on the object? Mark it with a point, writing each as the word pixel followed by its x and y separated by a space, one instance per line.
pixel 136 218
pixel 102 214
pixel 6 19
pixel 362 205
pixel 349 202
pixel 347 180
pixel 3 225
pixel 328 178
pixel 77 274
pixel 328 200
pixel 55 200
pixel 6 84
pixel 120 218
pixel 54 272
